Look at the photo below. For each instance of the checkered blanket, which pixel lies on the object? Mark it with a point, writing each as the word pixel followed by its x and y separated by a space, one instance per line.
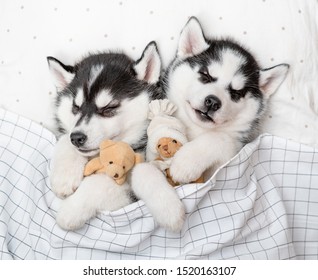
pixel 263 204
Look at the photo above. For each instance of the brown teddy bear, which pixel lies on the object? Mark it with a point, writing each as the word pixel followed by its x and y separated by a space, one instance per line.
pixel 115 159
pixel 166 148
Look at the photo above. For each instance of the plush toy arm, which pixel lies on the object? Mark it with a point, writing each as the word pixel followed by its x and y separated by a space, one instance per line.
pixel 92 166
pixel 161 107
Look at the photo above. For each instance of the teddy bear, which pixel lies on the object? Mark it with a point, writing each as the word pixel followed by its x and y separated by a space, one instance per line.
pixel 115 159
pixel 166 135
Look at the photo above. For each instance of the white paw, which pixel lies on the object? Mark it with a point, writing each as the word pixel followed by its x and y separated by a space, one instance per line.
pixel 68 219
pixel 171 214
pixel 65 181
pixel 184 166
pixel 67 167
pixel 163 202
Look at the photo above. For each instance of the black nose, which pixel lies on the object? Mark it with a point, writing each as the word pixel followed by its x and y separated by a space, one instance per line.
pixel 212 103
pixel 78 139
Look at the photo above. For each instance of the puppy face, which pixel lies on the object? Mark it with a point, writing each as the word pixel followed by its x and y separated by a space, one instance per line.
pixel 105 96
pixel 167 147
pixel 217 83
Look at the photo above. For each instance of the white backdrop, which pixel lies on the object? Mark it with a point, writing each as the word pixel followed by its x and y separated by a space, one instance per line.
pixel 275 31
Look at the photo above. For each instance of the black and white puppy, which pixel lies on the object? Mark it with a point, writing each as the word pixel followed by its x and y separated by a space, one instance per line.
pixel 104 96
pixel 221 94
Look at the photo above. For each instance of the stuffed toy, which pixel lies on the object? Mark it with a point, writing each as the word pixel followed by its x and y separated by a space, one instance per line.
pixel 115 159
pixel 166 135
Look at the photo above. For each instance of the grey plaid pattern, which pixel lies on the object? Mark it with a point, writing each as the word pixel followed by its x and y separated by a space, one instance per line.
pixel 263 204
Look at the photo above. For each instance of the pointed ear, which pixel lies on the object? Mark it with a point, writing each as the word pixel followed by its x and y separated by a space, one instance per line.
pixel 148 67
pixel 271 78
pixel 62 74
pixel 106 144
pixel 138 158
pixel 192 40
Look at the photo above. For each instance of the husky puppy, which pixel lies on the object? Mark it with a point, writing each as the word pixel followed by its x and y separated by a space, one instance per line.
pixel 221 94
pixel 104 96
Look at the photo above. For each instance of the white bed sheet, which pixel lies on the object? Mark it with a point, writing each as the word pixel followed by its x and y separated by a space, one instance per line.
pixel 275 31
pixel 262 205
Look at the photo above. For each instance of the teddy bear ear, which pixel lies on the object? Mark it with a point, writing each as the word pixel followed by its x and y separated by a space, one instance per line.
pixel 138 158
pixel 106 143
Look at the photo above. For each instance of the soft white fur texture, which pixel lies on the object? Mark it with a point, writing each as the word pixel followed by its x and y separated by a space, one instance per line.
pixel 164 204
pixel 96 193
pixel 67 167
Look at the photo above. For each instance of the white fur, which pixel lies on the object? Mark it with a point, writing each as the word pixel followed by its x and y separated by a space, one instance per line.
pixel 149 183
pixel 79 98
pixel 67 167
pixel 103 99
pixel 96 193
pixel 95 72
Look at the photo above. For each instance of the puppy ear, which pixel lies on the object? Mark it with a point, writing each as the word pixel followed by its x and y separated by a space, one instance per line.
pixel 271 78
pixel 62 74
pixel 138 158
pixel 192 40
pixel 148 67
pixel 106 144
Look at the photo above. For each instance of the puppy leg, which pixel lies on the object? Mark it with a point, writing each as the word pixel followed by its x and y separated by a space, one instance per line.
pixel 195 157
pixel 150 185
pixel 96 193
pixel 67 167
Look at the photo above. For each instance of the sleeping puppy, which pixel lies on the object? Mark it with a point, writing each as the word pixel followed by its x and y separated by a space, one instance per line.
pixel 221 94
pixel 104 96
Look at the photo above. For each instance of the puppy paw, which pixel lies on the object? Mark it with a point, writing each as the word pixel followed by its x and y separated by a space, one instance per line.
pixel 161 198
pixel 65 181
pixel 171 216
pixel 184 169
pixel 68 220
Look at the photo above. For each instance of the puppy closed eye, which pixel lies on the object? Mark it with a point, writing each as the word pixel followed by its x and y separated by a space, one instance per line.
pixel 75 109
pixel 205 76
pixel 236 95
pixel 108 111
